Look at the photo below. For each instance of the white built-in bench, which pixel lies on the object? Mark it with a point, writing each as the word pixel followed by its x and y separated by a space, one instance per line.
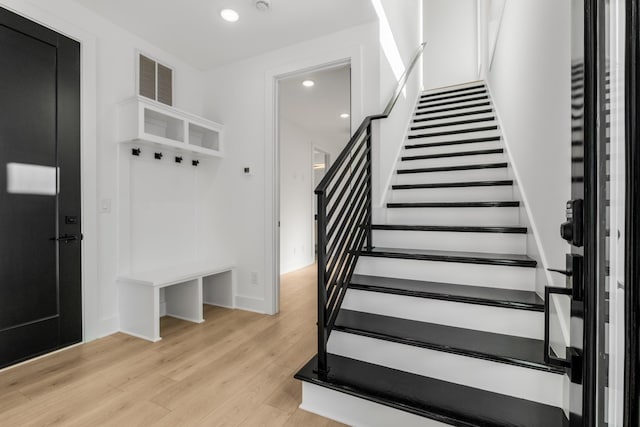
pixel 186 288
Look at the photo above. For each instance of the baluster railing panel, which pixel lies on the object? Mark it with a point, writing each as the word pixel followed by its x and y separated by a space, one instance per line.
pixel 345 214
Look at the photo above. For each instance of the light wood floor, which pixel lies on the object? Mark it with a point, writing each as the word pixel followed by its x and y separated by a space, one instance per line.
pixel 235 369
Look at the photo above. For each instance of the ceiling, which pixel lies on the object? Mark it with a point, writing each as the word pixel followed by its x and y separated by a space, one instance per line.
pixel 194 31
pixel 317 109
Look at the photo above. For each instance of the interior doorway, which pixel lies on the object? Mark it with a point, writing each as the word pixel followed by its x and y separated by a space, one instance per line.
pixel 314 125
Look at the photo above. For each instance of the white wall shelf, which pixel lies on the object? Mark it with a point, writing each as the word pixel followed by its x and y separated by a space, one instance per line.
pixel 149 122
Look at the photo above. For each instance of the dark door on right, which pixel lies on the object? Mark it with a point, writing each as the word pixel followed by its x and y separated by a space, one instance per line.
pixel 587 227
pixel 40 204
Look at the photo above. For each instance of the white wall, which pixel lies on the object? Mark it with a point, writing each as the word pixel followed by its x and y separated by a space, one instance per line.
pixel 296 192
pixel 530 84
pixel 296 203
pixel 402 21
pixel 450 30
pixel 113 52
pixel 241 95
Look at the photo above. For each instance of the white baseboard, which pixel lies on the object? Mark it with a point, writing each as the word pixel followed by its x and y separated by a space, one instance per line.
pixel 257 305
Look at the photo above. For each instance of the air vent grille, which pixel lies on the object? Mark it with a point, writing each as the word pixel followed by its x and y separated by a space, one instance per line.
pixel 155 80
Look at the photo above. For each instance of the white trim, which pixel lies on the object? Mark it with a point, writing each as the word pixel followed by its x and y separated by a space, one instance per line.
pixel 92 325
pixel 253 304
pixel 322 60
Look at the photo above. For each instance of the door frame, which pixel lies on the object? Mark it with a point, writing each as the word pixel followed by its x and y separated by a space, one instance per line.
pixel 92 324
pixel 320 59
pixel 318 68
pixel 632 219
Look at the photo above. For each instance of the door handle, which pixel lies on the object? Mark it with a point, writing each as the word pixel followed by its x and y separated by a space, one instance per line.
pixel 66 238
pixel 548 357
pixel 565 272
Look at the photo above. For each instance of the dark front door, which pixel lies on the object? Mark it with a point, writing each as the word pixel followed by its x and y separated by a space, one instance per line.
pixel 587 228
pixel 40 248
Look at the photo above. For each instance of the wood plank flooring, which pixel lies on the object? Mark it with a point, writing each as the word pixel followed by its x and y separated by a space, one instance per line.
pixel 235 369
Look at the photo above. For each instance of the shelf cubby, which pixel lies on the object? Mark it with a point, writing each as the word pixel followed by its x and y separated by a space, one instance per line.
pixel 149 122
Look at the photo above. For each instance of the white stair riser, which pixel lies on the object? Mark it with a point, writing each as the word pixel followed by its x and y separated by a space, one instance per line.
pixel 453 87
pixel 452 176
pixel 497 276
pixel 454 194
pixel 524 383
pixel 462 99
pixel 454 137
pixel 451 161
pixel 452 128
pixel 499 320
pixel 417 115
pixel 446 93
pixel 430 106
pixel 441 149
pixel 354 411
pixel 454 216
pixel 452 119
pixel 505 243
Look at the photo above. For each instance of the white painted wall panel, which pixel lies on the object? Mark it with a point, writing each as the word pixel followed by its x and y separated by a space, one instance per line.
pixel 530 85
pixel 450 30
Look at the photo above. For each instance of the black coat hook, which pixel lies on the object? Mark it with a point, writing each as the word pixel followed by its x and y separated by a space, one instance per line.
pixel 195 162
pixel 157 156
pixel 136 151
pixel 178 159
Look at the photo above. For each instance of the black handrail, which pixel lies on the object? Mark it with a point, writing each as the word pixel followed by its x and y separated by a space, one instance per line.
pixel 344 219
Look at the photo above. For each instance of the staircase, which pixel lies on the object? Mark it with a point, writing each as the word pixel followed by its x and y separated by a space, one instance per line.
pixel 441 324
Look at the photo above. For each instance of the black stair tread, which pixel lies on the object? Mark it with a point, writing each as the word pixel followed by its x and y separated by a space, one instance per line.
pixel 459 228
pixel 458 107
pixel 453 132
pixel 509 298
pixel 452 142
pixel 515 260
pixel 490 204
pixel 443 401
pixel 453 154
pixel 453 116
pixel 430 95
pixel 454 168
pixel 504 182
pixel 512 350
pixel 482 91
pixel 455 101
pixel 454 123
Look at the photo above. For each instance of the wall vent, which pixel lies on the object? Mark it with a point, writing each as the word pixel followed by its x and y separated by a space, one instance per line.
pixel 155 80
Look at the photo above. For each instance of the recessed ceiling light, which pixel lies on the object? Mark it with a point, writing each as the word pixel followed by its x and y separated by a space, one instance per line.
pixel 229 15
pixel 308 83
pixel 344 115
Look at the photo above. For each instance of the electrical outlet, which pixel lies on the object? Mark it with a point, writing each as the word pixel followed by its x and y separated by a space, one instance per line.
pixel 254 277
